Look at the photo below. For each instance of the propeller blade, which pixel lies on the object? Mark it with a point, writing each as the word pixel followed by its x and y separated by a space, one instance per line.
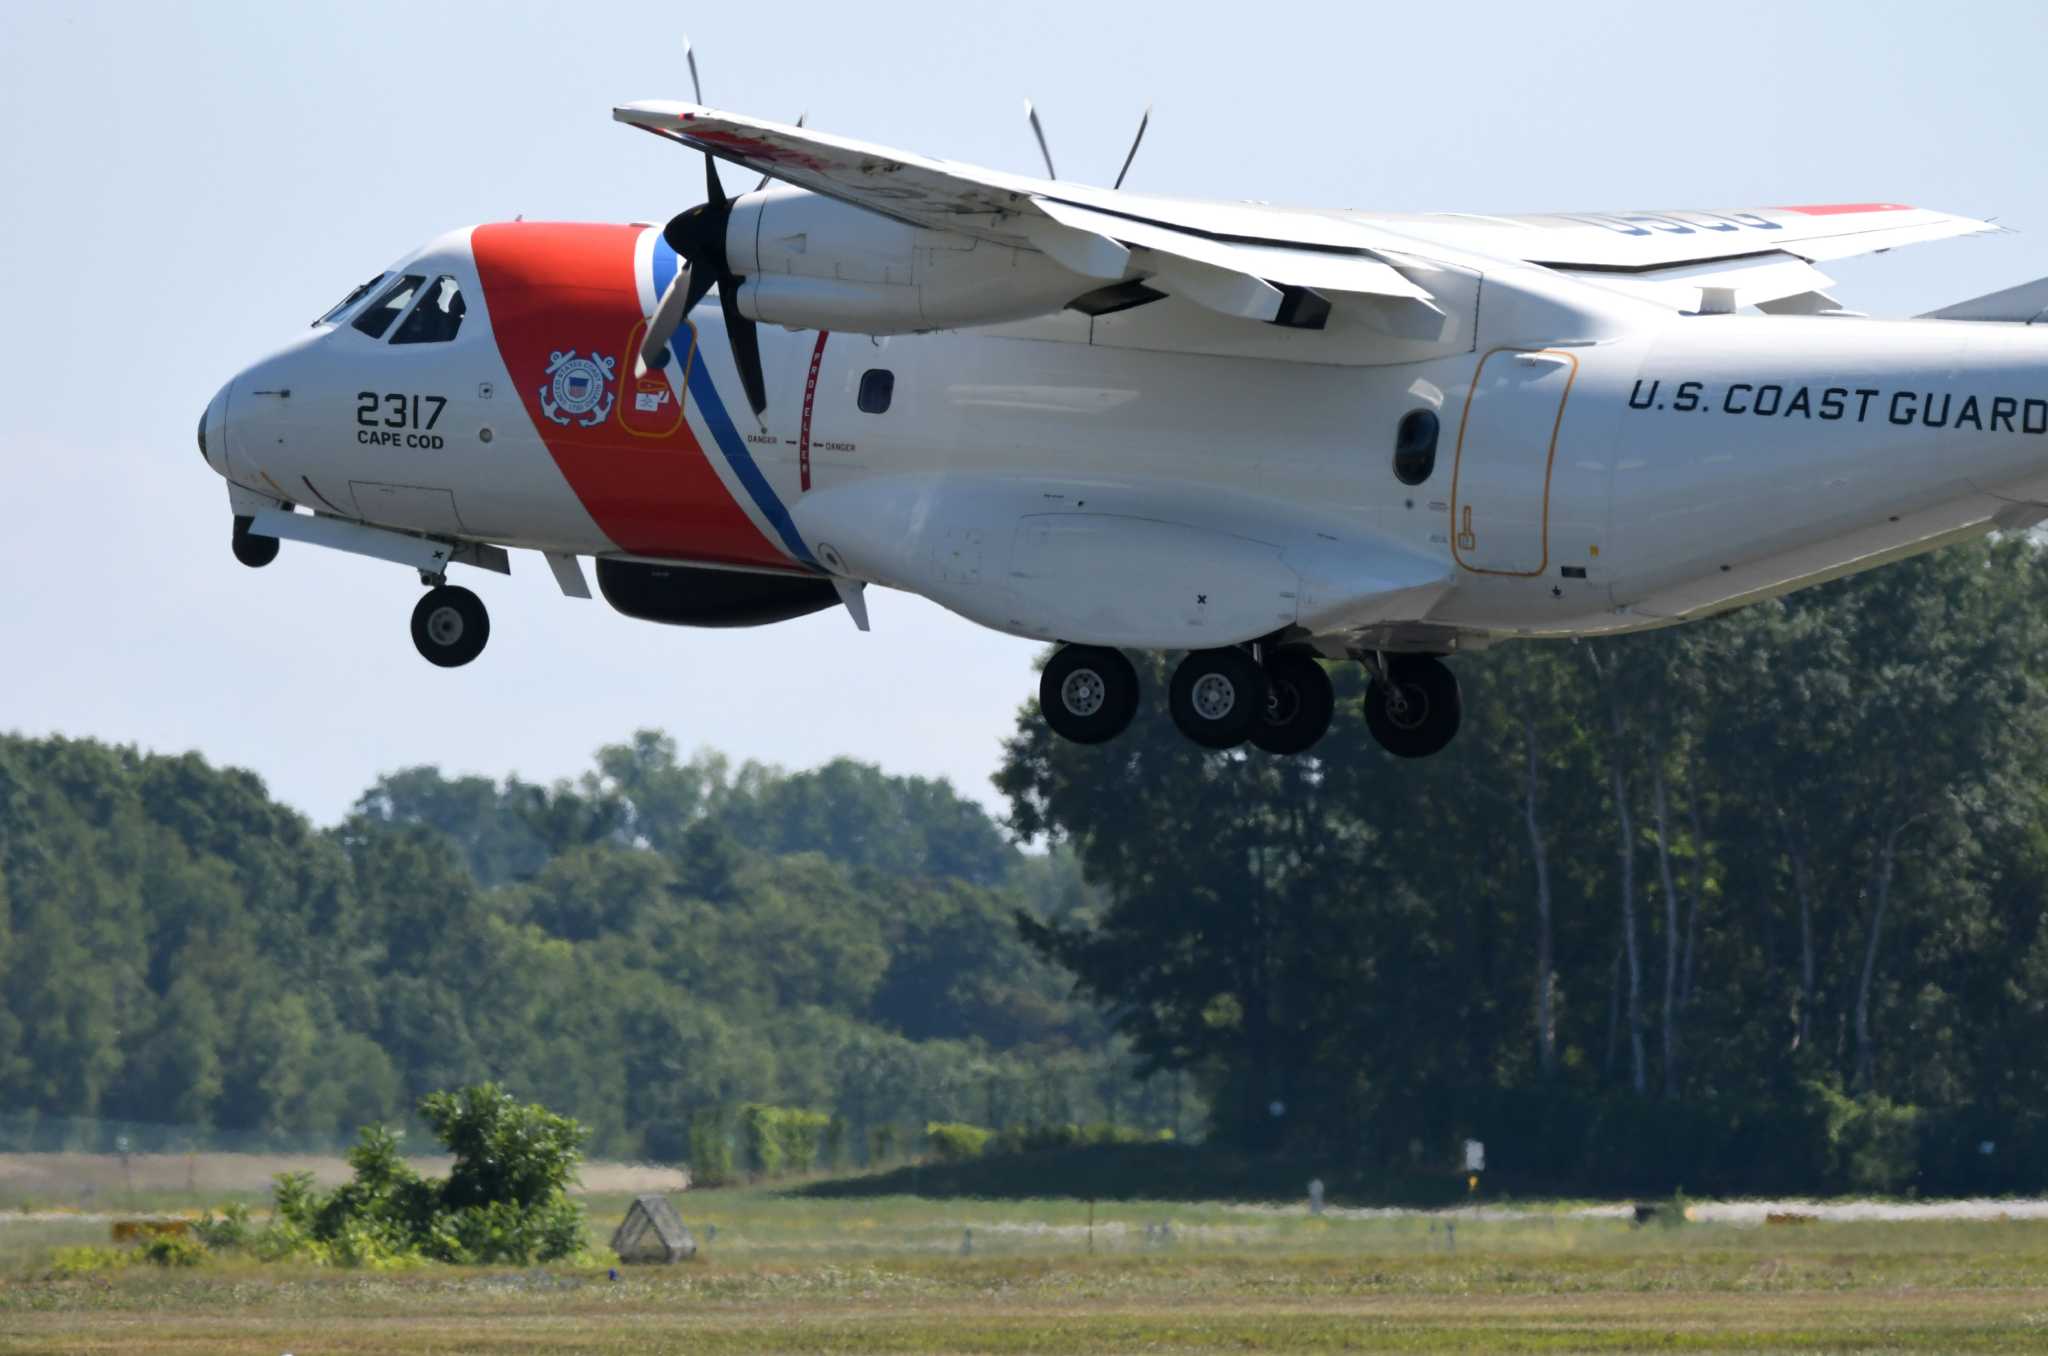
pixel 690 55
pixel 1031 114
pixel 668 316
pixel 746 344
pixel 1143 123
pixel 713 190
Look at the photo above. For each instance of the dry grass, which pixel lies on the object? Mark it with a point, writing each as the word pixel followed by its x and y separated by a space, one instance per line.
pixel 786 1274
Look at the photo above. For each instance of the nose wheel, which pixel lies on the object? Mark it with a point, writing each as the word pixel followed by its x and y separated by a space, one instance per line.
pixel 1088 693
pixel 450 626
pixel 1412 705
pixel 249 548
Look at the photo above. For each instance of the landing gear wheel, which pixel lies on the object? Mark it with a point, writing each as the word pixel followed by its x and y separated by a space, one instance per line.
pixel 1217 697
pixel 250 549
pixel 1088 693
pixel 1300 700
pixel 1415 709
pixel 450 626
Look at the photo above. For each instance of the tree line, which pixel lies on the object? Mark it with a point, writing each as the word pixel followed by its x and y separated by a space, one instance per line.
pixel 664 938
pixel 1755 903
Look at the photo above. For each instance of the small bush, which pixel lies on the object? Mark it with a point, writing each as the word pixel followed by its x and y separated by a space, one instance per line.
pixel 504 1200
pixel 80 1261
pixel 228 1231
pixel 173 1250
pixel 781 1140
pixel 955 1141
pixel 710 1149
pixel 1038 1138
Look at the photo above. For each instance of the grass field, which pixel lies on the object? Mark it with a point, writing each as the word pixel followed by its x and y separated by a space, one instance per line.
pixel 783 1273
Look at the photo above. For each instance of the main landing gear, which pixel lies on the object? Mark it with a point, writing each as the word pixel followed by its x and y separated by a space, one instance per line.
pixel 1223 698
pixel 450 626
pixel 1412 704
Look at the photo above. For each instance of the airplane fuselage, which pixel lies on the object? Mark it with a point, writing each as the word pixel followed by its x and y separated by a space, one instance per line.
pixel 1651 468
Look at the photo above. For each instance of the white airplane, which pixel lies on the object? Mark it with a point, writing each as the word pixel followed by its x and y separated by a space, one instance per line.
pixel 1083 415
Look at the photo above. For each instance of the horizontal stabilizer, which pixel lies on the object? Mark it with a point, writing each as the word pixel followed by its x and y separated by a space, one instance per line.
pixel 2026 304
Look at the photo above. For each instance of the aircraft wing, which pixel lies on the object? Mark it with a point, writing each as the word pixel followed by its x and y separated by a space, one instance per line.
pixel 1640 241
pixel 1238 259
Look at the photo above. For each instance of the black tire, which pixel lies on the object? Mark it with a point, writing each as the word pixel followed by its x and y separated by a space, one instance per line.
pixel 450 626
pixel 1417 712
pixel 249 548
pixel 1088 693
pixel 1300 699
pixel 1217 697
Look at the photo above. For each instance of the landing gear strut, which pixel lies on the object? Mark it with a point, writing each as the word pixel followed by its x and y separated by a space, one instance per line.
pixel 251 549
pixel 1088 693
pixel 450 626
pixel 1412 705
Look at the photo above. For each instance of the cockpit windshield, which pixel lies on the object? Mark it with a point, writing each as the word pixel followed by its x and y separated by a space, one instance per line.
pixel 438 316
pixel 390 304
pixel 334 313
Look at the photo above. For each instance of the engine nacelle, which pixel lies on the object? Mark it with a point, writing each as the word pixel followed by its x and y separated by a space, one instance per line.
pixel 811 262
pixel 679 595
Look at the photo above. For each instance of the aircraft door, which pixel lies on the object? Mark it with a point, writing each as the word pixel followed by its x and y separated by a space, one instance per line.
pixel 1500 487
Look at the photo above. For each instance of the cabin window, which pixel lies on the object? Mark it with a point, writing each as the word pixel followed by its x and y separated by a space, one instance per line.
pixel 1415 447
pixel 438 316
pixel 390 304
pixel 334 312
pixel 877 389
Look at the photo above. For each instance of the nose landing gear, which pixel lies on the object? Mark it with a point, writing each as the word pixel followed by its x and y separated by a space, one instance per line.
pixel 450 626
pixel 249 548
pixel 1412 705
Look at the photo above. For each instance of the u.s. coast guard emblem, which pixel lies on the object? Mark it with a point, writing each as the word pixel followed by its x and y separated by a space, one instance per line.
pixel 576 387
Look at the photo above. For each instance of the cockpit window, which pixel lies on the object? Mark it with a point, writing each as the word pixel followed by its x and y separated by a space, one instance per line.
pixel 389 305
pixel 436 318
pixel 334 312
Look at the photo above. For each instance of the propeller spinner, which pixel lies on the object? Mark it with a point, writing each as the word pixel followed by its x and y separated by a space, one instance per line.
pixel 697 235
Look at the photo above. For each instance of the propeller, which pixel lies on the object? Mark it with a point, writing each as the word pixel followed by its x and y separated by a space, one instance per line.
pixel 1031 115
pixel 1045 152
pixel 697 235
pixel 1143 123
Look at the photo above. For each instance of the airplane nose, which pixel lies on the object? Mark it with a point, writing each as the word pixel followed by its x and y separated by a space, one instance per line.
pixel 213 432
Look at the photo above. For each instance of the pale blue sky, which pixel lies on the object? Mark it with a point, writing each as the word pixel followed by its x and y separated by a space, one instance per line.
pixel 189 185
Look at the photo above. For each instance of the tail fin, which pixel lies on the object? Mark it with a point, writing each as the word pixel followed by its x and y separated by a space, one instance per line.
pixel 2026 304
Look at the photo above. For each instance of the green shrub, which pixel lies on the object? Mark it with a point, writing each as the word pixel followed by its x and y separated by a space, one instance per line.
pixel 780 1140
pixel 504 1201
pixel 173 1250
pixel 228 1231
pixel 710 1149
pixel 956 1141
pixel 1873 1144
pixel 79 1261
pixel 1038 1138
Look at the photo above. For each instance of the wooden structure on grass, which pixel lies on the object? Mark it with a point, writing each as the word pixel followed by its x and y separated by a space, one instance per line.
pixel 652 1231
